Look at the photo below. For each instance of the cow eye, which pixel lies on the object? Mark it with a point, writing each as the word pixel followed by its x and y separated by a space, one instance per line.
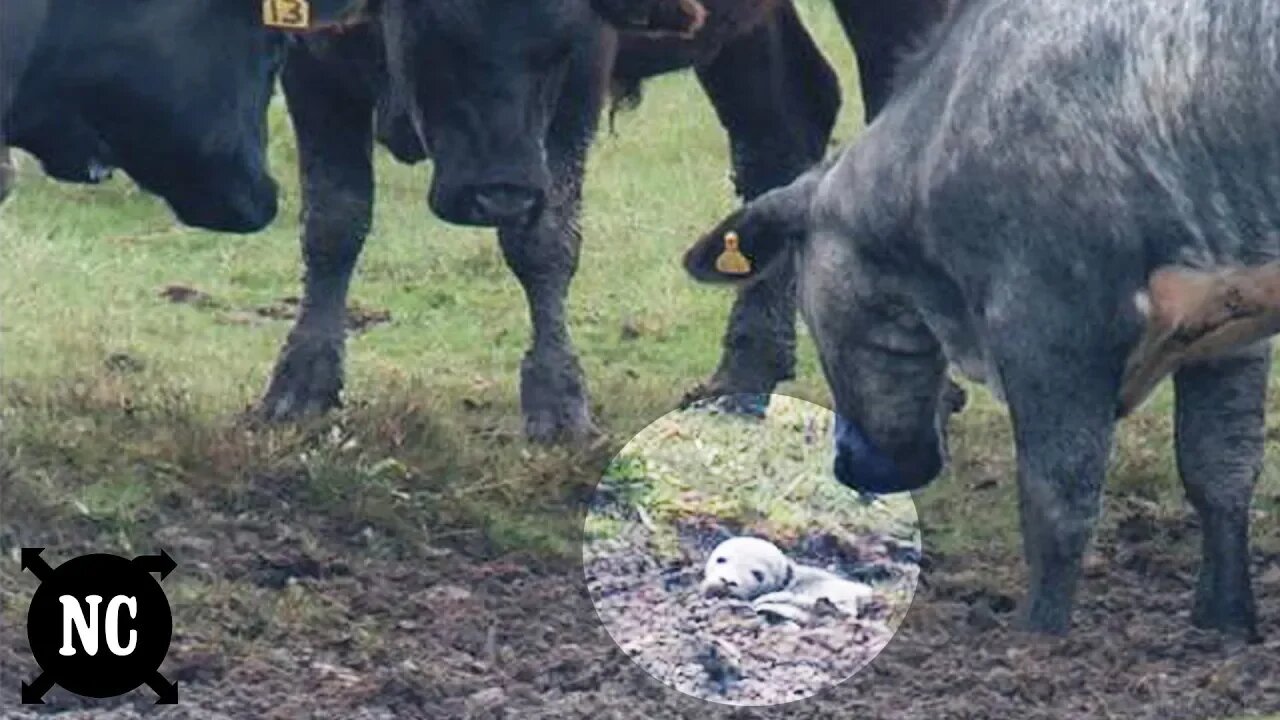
pixel 721 560
pixel 759 576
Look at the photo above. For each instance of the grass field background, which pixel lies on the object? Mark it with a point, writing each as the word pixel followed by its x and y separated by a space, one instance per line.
pixel 771 475
pixel 117 402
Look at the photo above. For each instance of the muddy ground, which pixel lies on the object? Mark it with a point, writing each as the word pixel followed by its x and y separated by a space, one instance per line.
pixel 720 649
pixel 449 633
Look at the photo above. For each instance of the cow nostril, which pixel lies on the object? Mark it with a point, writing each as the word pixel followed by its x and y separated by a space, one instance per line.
pixel 730 584
pixel 505 202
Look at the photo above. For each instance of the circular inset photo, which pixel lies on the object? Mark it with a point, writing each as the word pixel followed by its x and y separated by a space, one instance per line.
pixel 726 560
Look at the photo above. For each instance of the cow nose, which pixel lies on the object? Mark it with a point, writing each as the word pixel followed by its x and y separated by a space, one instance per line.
pixel 861 465
pixel 244 208
pixel 504 203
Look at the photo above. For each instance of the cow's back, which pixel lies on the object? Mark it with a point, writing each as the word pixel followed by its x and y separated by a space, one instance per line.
pixel 1143 131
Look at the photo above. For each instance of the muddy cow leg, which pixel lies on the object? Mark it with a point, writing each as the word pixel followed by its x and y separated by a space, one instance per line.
pixel 880 32
pixel 1062 410
pixel 334 126
pixel 544 257
pixel 777 97
pixel 1219 435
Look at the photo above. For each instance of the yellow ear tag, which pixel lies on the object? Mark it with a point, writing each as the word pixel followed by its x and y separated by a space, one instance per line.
pixel 291 14
pixel 732 261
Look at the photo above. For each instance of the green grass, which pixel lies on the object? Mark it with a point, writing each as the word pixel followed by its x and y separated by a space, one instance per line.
pixel 429 448
pixel 772 477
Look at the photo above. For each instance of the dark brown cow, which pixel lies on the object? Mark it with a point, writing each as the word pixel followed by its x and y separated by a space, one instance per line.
pixel 505 98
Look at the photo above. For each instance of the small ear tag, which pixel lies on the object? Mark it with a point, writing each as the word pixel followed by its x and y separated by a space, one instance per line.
pixel 731 260
pixel 288 14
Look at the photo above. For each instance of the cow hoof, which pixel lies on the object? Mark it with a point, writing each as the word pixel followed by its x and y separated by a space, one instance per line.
pixel 307 380
pixel 553 399
pixel 1236 622
pixel 698 393
pixel 755 405
pixel 564 426
pixel 716 396
pixel 1050 622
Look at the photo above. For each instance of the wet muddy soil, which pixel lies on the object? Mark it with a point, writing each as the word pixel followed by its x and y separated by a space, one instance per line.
pixel 451 633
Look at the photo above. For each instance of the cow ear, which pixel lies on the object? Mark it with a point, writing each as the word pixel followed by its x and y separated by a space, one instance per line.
pixel 315 15
pixel 682 18
pixel 746 244
pixel 733 251
pixel 1193 315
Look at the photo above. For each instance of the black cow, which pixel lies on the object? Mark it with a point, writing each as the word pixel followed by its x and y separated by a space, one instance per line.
pixel 1005 212
pixel 175 92
pixel 505 97
pixel 20 26
pixel 882 31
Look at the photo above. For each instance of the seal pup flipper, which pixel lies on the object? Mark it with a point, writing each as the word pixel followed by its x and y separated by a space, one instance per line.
pixel 785 597
pixel 783 606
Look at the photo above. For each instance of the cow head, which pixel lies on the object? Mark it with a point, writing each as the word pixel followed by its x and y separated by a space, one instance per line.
pixel 886 370
pixel 482 79
pixel 888 378
pixel 174 92
pixel 177 89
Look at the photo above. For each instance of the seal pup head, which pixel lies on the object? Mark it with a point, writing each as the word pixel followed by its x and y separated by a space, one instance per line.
pixel 746 568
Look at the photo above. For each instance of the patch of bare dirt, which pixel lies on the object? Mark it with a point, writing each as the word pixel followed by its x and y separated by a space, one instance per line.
pixel 359 318
pixel 451 633
pixel 186 295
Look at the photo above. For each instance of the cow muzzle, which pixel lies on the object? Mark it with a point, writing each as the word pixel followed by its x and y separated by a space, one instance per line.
pixel 238 208
pixel 862 465
pixel 489 205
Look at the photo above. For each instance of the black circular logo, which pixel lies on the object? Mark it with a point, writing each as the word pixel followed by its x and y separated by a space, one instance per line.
pixel 99 625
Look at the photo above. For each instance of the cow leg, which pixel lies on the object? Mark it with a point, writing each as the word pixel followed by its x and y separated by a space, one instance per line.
pixel 544 257
pixel 1062 410
pixel 335 145
pixel 880 32
pixel 777 97
pixel 1220 440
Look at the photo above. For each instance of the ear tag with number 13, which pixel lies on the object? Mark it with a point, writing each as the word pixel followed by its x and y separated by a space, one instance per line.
pixel 291 14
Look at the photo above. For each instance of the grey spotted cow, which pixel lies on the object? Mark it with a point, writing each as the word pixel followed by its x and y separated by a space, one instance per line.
pixel 1005 213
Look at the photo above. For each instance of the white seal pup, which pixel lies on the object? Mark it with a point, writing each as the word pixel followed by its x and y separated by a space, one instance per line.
pixel 755 569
